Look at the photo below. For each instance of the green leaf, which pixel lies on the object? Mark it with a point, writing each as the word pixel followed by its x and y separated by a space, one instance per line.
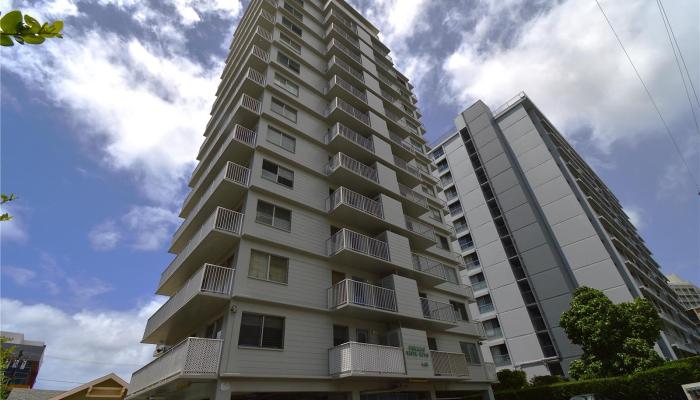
pixel 11 21
pixel 56 27
pixel 5 217
pixel 31 39
pixel 34 25
pixel 6 41
pixel 19 39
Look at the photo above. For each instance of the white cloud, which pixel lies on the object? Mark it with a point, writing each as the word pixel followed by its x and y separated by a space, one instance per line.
pixel 20 276
pixel 569 63
pixel 104 236
pixel 84 345
pixel 14 230
pixel 150 227
pixel 636 215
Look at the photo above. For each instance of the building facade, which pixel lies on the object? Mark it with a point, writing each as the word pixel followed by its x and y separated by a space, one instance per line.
pixel 533 223
pixel 688 296
pixel 24 362
pixel 314 260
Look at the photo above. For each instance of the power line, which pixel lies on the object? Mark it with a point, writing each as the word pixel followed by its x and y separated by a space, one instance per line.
pixel 57 380
pixel 671 40
pixel 651 98
pixel 94 362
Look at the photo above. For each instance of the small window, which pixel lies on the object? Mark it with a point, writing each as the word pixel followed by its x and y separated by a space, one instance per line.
pixel 293 27
pixel 455 208
pixel 288 62
pixel 290 43
pixel 275 173
pixel 436 214
pixel 442 166
pixel 281 139
pixel 261 331
pixel 268 267
pixel 341 334
pixel 432 344
pixel 362 335
pixel 284 110
pixel 460 310
pixel 466 242
pixel 460 224
pixel 272 215
pixel 213 330
pixel 286 84
pixel 443 243
pixel 296 13
pixel 438 152
pixel 472 353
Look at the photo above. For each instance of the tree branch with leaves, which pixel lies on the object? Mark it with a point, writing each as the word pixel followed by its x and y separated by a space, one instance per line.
pixel 26 30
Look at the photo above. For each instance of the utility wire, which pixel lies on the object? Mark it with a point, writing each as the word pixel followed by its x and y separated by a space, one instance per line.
pixel 93 362
pixel 656 107
pixel 57 380
pixel 671 39
pixel 663 10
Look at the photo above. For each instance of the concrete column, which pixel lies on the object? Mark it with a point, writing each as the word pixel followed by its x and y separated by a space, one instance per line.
pixel 221 391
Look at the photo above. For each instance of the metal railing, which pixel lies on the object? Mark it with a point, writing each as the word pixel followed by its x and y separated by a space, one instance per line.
pixel 388 96
pixel 260 53
pixel 346 239
pixel 347 68
pixel 433 267
pixel 438 310
pixel 342 160
pixel 336 28
pixel 479 285
pixel 256 76
pixel 501 359
pixel 343 20
pixel 336 80
pixel 490 371
pixel 413 196
pixel 343 195
pixel 196 357
pixel 473 264
pixel 250 103
pixel 239 133
pixel 420 228
pixel 364 358
pixel 345 50
pixel 221 219
pixel 231 172
pixel 397 139
pixel 486 308
pixel 364 294
pixel 404 165
pixel 267 16
pixel 264 33
pixel 449 364
pixel 341 130
pixel 348 108
pixel 208 279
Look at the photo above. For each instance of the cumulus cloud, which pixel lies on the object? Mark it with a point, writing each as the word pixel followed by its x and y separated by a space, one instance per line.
pixel 84 345
pixel 636 215
pixel 20 276
pixel 568 61
pixel 150 227
pixel 104 236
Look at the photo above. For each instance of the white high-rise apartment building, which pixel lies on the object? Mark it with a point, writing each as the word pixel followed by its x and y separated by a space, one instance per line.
pixel 688 294
pixel 314 259
pixel 533 223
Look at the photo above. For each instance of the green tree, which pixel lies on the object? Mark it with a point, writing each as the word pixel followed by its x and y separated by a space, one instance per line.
pixel 509 379
pixel 617 339
pixel 5 355
pixel 26 30
pixel 6 199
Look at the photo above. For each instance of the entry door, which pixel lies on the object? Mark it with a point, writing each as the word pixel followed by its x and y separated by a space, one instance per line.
pixel 341 334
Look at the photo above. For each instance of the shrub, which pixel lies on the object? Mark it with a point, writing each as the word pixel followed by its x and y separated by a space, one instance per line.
pixel 545 380
pixel 661 383
pixel 510 379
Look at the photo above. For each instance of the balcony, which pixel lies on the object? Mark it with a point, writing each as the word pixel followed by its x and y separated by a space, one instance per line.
pixel 336 48
pixel 338 86
pixel 350 247
pixel 348 293
pixel 338 65
pixel 345 113
pixel 415 203
pixel 422 235
pixel 434 268
pixel 356 209
pixel 364 359
pixel 438 310
pixel 213 240
pixel 401 123
pixel 449 364
pixel 338 31
pixel 406 172
pixel 230 185
pixel 193 358
pixel 340 138
pixel 400 147
pixel 237 145
pixel 345 170
pixel 200 299
pixel 336 15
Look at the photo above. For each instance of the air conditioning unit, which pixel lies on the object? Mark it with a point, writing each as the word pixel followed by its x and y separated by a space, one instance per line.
pixel 160 349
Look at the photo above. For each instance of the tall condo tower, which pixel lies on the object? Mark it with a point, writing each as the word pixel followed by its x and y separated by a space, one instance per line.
pixel 533 223
pixel 314 258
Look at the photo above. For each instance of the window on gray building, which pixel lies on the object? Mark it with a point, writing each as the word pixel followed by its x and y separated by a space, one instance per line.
pixel 263 331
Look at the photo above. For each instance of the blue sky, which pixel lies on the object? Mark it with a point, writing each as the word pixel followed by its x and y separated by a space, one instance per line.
pixel 100 129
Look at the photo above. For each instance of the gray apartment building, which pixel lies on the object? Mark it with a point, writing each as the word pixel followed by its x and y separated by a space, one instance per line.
pixel 533 222
pixel 314 260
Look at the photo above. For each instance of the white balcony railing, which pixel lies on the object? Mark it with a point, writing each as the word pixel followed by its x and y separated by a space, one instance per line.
pixel 222 219
pixel 341 130
pixel 250 103
pixel 193 357
pixel 420 228
pixel 256 76
pixel 342 160
pixel 438 310
pixel 434 267
pixel 364 294
pixel 345 50
pixel 404 165
pixel 347 68
pixel 264 33
pixel 209 279
pixel 343 195
pixel 340 31
pixel 413 196
pixel 336 80
pixel 397 139
pixel 365 358
pixel 449 364
pixel 260 53
pixel 346 239
pixel 239 133
pixel 343 20
pixel 348 108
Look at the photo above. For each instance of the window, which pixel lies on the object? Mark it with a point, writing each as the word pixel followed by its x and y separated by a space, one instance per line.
pixel 485 304
pixel 290 43
pixel 275 173
pixel 442 166
pixel 455 208
pixel 294 28
pixel 466 242
pixel 472 353
pixel 268 267
pixel 443 243
pixel 460 310
pixel 438 152
pixel 478 281
pixel 282 140
pixel 460 224
pixel 451 275
pixel 261 331
pixel 286 84
pixel 450 193
pixel 272 215
pixel 296 13
pixel 472 261
pixel 446 179
pixel 213 330
pixel 288 62
pixel 341 334
pixel 284 110
pixel 546 344
pixel 427 190
pixel 500 355
pixel 432 344
pixel 362 335
pixel 493 328
pixel 436 214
